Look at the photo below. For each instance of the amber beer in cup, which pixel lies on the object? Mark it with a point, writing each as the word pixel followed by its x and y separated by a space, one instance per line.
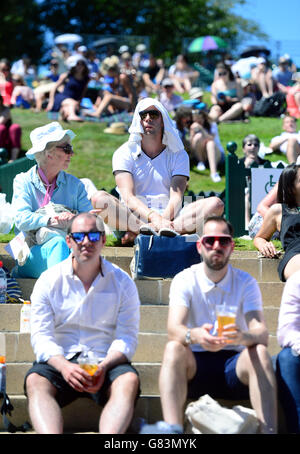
pixel 226 315
pixel 88 362
pixel 89 368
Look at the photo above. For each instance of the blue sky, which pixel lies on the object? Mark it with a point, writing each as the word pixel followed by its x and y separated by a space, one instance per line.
pixel 280 19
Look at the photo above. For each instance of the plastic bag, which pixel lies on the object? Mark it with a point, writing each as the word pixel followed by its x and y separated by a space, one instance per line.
pixel 7 215
pixel 206 416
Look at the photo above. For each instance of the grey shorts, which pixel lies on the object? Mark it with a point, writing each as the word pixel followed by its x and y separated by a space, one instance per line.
pixel 66 394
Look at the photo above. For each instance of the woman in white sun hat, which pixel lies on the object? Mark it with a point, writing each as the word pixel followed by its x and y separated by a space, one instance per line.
pixel 38 192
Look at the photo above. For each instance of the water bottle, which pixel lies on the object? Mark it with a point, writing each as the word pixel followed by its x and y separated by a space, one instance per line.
pixel 3 284
pixel 2 375
pixel 25 317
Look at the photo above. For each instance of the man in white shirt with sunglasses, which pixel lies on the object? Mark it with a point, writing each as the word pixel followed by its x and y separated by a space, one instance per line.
pixel 197 360
pixel 151 172
pixel 83 304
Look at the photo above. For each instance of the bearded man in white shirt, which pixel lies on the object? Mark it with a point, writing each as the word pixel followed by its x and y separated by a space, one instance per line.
pixel 84 304
pixel 151 172
pixel 198 359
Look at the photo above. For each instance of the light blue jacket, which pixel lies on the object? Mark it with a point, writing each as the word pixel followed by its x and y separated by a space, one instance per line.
pixel 29 192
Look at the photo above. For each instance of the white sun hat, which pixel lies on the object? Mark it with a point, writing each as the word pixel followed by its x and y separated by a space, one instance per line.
pixel 52 132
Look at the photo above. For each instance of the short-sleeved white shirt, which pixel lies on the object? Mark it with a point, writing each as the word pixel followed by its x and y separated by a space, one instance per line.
pixel 192 288
pixel 287 135
pixel 152 177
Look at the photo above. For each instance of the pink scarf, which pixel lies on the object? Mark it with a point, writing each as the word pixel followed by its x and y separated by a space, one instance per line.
pixel 50 187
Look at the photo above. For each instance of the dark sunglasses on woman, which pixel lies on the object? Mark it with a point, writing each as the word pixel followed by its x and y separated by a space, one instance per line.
pixel 68 149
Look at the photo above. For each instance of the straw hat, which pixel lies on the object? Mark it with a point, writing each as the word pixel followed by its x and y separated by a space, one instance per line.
pixel 195 93
pixel 116 128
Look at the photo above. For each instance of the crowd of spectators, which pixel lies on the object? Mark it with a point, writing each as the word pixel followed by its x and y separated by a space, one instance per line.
pixel 78 85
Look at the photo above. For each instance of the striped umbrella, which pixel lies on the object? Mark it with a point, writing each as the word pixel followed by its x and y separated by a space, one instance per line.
pixel 204 43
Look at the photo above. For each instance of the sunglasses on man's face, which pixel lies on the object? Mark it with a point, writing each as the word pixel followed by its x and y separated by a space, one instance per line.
pixel 93 237
pixel 223 73
pixel 208 241
pixel 68 149
pixel 153 114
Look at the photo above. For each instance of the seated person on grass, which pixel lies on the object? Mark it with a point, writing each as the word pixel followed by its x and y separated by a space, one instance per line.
pixel 288 142
pixel 151 171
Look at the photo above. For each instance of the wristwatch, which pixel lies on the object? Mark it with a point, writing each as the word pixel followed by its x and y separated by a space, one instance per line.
pixel 187 338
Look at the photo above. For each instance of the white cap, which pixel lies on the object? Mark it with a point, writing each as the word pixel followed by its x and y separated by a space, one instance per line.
pixel 123 49
pixel 141 48
pixel 74 59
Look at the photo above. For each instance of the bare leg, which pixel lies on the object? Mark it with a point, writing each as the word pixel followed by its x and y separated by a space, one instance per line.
pixel 109 99
pixel 191 219
pixel 293 150
pixel 213 156
pixel 292 266
pixel 178 366
pixel 69 109
pixel 14 153
pixel 234 112
pixel 177 85
pixel 264 85
pixel 118 412
pixel 44 411
pixel 115 214
pixel 215 113
pixel 254 368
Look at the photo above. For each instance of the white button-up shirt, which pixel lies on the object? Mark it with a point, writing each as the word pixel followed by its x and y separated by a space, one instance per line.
pixel 66 319
pixel 288 333
pixel 193 289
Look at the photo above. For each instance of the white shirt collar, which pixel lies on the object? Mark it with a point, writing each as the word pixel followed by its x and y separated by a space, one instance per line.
pixel 207 285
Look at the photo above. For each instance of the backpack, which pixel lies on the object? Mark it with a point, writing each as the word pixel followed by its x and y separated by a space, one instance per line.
pixel 274 106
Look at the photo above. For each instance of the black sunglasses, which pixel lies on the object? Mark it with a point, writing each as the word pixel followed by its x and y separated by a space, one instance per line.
pixel 93 237
pixel 68 149
pixel 209 240
pixel 153 114
pixel 223 73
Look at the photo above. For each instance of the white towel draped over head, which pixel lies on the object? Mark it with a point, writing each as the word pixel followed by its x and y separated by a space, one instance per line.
pixel 170 137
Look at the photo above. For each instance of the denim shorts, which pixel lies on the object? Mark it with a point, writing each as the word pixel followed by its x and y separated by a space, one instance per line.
pixel 216 376
pixel 66 394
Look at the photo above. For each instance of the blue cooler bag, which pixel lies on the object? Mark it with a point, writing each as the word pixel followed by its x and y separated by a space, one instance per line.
pixel 162 257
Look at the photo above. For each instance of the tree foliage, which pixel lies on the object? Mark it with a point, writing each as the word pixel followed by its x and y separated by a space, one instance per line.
pixel 166 22
pixel 21 30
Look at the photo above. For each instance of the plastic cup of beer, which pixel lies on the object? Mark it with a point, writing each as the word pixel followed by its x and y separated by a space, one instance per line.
pixel 226 315
pixel 88 361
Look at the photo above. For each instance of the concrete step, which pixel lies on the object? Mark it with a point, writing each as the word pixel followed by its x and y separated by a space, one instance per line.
pixel 148 408
pixel 157 291
pixel 264 270
pixel 16 372
pixel 150 347
pixel 152 336
pixel 153 318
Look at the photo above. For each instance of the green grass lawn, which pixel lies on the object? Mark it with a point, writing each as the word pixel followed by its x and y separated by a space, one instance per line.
pixel 94 148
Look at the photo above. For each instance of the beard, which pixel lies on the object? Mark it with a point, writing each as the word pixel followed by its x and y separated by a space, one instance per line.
pixel 216 263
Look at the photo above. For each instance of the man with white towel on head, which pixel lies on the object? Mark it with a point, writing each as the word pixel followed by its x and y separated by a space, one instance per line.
pixel 151 172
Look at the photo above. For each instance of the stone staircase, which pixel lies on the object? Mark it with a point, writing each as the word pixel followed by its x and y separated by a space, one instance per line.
pixel 152 338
